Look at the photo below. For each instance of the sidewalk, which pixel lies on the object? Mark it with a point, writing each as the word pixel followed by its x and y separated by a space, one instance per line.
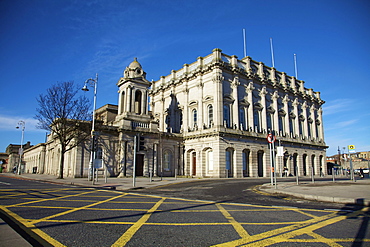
pixel 341 191
pixel 112 182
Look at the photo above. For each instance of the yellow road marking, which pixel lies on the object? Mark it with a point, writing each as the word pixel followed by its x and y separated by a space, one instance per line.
pixel 77 209
pixel 122 241
pixel 32 230
pixel 48 199
pixel 269 234
pixel 237 226
pixel 280 235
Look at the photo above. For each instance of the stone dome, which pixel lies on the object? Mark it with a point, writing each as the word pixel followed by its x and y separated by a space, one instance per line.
pixel 134 70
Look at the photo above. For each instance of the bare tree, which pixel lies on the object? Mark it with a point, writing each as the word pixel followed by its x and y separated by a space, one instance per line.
pixel 65 115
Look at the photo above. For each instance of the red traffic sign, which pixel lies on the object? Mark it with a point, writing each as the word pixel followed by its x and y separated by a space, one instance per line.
pixel 271 138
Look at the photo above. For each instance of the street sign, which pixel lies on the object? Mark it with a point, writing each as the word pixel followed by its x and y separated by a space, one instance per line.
pixel 271 138
pixel 351 148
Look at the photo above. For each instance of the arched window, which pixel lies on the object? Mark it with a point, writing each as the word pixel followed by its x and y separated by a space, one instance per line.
pixel 167 157
pixel 138 96
pixel 210 115
pixel 195 117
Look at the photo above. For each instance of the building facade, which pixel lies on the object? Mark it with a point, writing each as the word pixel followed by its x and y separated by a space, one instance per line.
pixel 207 119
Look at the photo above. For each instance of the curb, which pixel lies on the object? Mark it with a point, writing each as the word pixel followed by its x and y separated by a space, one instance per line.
pixel 356 201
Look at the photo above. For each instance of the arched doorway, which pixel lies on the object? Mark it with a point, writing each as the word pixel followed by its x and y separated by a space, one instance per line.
pixel 295 164
pixel 229 162
pixel 304 159
pixel 313 164
pixel 260 163
pixel 193 162
pixel 246 172
pixel 137 106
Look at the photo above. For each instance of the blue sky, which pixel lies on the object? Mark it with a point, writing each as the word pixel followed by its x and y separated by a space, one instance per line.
pixel 47 41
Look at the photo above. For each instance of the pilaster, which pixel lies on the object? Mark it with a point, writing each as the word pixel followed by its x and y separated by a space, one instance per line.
pixel 263 93
pixel 235 115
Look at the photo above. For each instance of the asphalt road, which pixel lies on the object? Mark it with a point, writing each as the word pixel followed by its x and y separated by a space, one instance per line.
pixel 239 191
pixel 205 213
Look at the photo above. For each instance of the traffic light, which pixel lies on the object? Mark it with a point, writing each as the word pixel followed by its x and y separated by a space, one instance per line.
pixel 141 143
pixel 94 144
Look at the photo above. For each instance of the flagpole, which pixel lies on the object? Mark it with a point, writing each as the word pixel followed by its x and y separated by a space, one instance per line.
pixel 295 66
pixel 272 53
pixel 245 43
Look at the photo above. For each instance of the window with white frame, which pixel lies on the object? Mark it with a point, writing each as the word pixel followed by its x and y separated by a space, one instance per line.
pixel 210 115
pixel 242 118
pixel 227 115
pixel 195 117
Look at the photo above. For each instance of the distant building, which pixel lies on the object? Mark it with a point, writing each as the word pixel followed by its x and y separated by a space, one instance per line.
pixel 12 152
pixel 207 119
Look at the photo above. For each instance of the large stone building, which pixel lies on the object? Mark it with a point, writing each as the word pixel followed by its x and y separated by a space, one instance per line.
pixel 207 119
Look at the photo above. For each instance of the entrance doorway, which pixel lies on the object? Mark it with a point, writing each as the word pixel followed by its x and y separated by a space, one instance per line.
pixel 260 163
pixel 139 169
pixel 194 163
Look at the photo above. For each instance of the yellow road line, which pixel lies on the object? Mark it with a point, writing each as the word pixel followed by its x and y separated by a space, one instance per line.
pixel 32 230
pixel 313 225
pixel 123 240
pixel 77 209
pixel 269 234
pixel 48 199
pixel 237 226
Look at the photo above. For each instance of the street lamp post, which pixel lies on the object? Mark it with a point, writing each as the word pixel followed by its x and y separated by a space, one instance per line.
pixel 23 125
pixel 93 83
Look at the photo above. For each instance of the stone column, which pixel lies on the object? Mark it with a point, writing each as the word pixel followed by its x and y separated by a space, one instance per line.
pixel 200 106
pixel 305 122
pixel 249 91
pixel 275 97
pixel 163 113
pixel 286 109
pixel 218 103
pixel 235 109
pixel 321 127
pixel 263 93
pixel 253 156
pixel 313 126
pixel 145 102
pixel 185 115
pixel 295 110
pixel 128 99
pixel 120 105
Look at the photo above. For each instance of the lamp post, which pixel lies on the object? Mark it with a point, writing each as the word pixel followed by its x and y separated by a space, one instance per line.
pixel 93 83
pixel 23 125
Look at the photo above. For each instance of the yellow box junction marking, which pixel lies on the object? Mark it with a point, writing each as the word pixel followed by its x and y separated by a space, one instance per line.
pixel 287 233
pixel 122 241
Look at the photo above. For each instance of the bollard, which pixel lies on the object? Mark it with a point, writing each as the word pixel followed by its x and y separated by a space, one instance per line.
pixel 332 172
